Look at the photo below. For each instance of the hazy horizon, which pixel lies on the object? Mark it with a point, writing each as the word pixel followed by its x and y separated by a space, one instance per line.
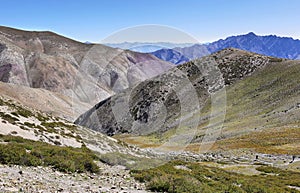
pixel 151 42
pixel 206 21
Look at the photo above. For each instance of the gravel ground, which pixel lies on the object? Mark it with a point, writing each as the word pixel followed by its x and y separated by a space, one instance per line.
pixel 112 179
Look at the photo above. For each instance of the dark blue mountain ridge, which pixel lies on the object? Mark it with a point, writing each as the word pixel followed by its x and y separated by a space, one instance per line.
pixel 270 45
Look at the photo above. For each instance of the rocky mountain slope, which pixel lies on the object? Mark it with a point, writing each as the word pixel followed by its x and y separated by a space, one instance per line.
pixel 52 103
pixel 279 47
pixel 173 97
pixel 262 110
pixel 86 72
pixel 260 100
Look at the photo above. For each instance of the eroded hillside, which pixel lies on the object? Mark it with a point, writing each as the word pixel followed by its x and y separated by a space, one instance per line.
pixel 85 72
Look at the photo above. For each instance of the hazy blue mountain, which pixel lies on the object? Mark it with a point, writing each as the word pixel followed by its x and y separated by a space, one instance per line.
pixel 180 55
pixel 271 45
pixel 147 47
pixel 171 55
pixel 194 51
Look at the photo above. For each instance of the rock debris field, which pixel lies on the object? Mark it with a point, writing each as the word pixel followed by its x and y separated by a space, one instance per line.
pixel 111 179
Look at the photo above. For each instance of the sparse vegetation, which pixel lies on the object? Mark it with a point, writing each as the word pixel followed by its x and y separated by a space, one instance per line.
pixel 271 141
pixel 8 118
pixel 199 178
pixel 26 152
pixel 30 125
pixel 23 112
pixel 58 124
pixel 262 114
pixel 19 111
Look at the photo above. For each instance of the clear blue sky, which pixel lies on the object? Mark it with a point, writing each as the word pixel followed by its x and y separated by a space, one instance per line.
pixel 207 20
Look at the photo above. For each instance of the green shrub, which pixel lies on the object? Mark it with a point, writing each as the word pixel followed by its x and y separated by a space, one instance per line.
pixel 21 151
pixel 202 178
pixel 58 124
pixel 15 114
pixel 24 112
pixel 269 169
pixel 30 125
pixel 8 118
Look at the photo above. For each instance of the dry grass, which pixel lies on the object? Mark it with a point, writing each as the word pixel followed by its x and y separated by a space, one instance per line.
pixel 271 141
pixel 140 141
pixel 245 169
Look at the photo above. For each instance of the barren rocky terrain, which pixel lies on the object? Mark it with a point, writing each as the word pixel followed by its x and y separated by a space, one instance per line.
pixel 113 179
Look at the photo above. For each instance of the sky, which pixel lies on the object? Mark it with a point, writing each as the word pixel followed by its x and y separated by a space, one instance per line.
pixel 204 20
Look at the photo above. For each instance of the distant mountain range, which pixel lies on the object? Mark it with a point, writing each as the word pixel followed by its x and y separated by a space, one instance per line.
pixel 271 45
pixel 146 47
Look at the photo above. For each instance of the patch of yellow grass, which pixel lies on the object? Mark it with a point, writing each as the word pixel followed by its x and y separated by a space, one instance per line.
pixel 236 168
pixel 140 141
pixel 271 141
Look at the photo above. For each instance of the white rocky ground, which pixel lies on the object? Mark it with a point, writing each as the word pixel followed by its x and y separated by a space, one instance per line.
pixel 64 133
pixel 45 179
pixel 113 179
pixel 7 128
